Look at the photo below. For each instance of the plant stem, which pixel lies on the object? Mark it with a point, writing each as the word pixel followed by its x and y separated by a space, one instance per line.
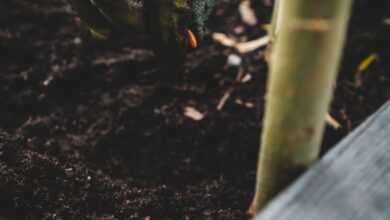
pixel 303 70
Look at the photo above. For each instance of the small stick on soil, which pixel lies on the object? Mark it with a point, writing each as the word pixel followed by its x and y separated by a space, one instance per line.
pixel 228 93
pixel 332 122
pixel 241 47
pixel 247 14
pixel 363 66
pixel 224 99
pixel 224 39
pixel 246 47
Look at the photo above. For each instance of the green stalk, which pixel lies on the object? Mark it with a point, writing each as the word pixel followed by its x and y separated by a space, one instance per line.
pixel 305 61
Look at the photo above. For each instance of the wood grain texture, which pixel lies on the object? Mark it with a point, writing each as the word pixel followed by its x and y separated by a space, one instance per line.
pixel 351 182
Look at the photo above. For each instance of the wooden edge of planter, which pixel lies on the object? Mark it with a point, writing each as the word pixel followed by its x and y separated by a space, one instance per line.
pixel 352 181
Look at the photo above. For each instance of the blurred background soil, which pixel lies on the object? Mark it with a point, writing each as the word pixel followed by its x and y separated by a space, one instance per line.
pixel 95 130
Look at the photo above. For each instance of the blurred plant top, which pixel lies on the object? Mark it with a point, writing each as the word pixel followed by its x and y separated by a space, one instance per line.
pixel 173 25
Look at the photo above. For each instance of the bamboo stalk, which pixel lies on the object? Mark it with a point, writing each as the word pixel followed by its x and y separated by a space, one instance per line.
pixel 305 60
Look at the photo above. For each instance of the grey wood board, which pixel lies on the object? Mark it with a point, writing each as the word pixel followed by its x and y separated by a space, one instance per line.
pixel 351 182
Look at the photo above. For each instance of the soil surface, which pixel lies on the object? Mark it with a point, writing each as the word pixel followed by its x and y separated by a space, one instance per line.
pixel 95 130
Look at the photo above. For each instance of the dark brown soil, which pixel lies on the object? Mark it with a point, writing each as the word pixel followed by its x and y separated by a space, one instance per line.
pixel 94 130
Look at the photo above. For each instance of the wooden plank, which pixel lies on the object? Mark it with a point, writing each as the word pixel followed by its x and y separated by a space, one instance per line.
pixel 351 182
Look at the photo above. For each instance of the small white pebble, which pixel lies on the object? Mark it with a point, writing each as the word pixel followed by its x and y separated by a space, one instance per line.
pixel 48 80
pixel 246 78
pixel 239 29
pixel 386 21
pixel 56 68
pixel 239 102
pixel 234 60
pixel 77 41
pixel 249 105
pixel 193 113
